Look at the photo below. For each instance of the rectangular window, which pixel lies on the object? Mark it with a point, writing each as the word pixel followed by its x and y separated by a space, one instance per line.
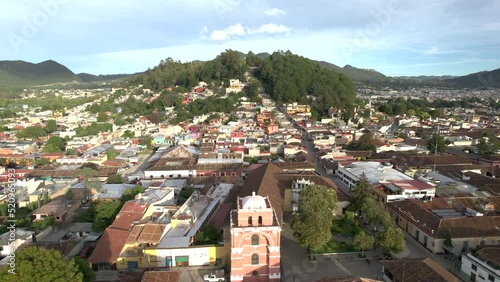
pixel 474 267
pixel 491 278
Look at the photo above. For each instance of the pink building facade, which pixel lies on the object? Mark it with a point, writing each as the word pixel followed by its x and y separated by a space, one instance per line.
pixel 255 241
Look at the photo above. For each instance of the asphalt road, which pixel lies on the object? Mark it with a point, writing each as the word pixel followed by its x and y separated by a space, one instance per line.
pixel 141 167
pixel 319 169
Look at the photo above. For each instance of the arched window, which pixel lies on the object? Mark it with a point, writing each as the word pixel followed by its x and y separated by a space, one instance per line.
pixel 260 220
pixel 255 239
pixel 255 259
pixel 249 220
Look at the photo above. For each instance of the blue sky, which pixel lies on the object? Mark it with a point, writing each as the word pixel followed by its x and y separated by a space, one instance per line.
pixel 395 37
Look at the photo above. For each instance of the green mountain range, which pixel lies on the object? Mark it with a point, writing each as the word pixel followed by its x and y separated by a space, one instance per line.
pixel 483 79
pixel 16 75
pixel 20 74
pixel 86 77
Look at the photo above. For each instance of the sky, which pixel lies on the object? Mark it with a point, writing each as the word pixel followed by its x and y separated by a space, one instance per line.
pixel 395 37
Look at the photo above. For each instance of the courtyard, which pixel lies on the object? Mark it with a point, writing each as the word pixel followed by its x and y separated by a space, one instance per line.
pixel 297 266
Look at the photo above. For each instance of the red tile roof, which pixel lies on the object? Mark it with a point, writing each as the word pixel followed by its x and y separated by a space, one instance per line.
pixel 220 216
pixel 413 270
pixel 109 246
pixel 130 212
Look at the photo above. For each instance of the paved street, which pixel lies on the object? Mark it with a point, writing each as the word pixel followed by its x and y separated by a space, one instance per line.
pixel 319 169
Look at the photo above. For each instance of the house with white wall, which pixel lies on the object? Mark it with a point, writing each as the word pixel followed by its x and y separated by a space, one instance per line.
pixel 483 265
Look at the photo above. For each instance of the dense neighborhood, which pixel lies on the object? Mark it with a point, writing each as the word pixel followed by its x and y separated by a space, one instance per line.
pixel 412 183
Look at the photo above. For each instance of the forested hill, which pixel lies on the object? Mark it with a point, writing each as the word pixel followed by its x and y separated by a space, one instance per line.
pixel 484 79
pixel 288 78
pixel 20 74
pixel 170 73
pixel 87 77
pixel 356 74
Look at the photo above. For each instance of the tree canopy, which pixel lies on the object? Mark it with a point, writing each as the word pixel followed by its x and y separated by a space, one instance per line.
pixel 365 143
pixel 488 145
pixel 291 78
pixel 169 73
pixel 105 214
pixel 55 144
pixel 50 126
pixel 391 239
pixel 437 143
pixel 422 107
pixel 84 267
pixel 313 221
pixel 31 132
pixel 35 264
pixel 363 241
pixel 286 77
pixel 93 129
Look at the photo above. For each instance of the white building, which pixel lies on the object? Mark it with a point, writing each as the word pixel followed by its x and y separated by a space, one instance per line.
pixel 391 191
pixel 297 186
pixel 235 86
pixel 20 236
pixel 175 248
pixel 400 148
pixel 484 265
pixel 350 173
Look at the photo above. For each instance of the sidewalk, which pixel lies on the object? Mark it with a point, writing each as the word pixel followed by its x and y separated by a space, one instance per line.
pixel 350 257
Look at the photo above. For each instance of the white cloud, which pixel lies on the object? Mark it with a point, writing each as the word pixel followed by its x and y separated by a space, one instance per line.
pixel 270 28
pixel 438 51
pixel 227 33
pixel 274 12
pixel 237 30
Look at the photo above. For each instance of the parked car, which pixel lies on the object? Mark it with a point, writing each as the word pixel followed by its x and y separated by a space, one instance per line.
pixel 213 278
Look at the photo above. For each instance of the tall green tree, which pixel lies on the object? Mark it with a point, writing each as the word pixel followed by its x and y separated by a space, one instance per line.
pixel 102 117
pixel 391 239
pixel 208 235
pixel 448 242
pixel 105 214
pixel 487 145
pixel 50 126
pixel 54 144
pixel 437 143
pixel 363 241
pixel 85 268
pixel 35 264
pixel 88 176
pixel 252 60
pixel 373 210
pixel 360 192
pixel 365 143
pixel 313 221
